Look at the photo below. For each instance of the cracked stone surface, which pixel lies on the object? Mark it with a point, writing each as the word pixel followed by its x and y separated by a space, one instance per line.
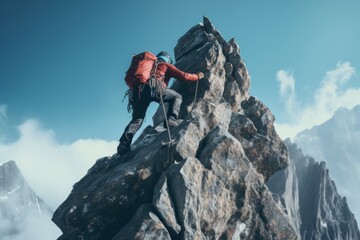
pixel 209 183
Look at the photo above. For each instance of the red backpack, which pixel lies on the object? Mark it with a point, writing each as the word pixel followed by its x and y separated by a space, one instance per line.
pixel 142 67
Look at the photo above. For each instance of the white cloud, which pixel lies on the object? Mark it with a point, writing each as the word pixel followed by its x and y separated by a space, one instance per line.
pixel 287 83
pixel 287 91
pixel 52 168
pixel 331 95
pixel 3 112
pixel 3 119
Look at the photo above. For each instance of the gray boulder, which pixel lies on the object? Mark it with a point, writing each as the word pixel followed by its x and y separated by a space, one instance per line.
pixel 254 128
pixel 144 225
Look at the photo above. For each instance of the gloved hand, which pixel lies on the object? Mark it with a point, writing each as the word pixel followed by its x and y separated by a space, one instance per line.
pixel 200 75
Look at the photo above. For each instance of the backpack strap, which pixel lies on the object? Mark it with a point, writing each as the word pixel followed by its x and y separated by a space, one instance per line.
pixel 153 70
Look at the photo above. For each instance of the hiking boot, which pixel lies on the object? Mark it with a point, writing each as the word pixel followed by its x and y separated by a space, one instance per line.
pixel 173 122
pixel 123 148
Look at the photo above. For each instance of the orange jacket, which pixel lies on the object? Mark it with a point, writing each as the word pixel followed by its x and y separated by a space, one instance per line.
pixel 165 71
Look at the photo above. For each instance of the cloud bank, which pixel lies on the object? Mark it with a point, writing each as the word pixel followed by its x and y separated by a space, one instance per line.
pixel 31 226
pixel 51 168
pixel 331 94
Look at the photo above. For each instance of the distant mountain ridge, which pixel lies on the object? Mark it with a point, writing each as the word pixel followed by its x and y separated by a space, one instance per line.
pixel 17 200
pixel 311 199
pixel 337 142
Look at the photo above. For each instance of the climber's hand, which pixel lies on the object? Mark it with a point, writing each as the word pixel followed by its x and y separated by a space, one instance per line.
pixel 200 75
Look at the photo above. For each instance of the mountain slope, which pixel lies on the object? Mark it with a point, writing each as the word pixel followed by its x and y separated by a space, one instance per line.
pixel 337 142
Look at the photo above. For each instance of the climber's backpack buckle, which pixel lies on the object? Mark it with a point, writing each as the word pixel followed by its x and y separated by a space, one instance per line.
pixel 168 142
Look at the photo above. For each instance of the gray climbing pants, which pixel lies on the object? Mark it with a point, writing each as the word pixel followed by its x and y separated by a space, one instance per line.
pixel 141 99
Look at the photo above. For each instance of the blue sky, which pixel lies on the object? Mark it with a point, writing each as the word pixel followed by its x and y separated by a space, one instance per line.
pixel 63 62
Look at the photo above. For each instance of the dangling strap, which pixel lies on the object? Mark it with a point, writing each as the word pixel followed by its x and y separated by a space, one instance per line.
pixel 156 87
pixel 155 84
pixel 129 94
pixel 154 68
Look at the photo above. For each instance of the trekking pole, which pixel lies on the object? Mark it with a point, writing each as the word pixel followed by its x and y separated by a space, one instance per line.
pixel 196 90
pixel 166 120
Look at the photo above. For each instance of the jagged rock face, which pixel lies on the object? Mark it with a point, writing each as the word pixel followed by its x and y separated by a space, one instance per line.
pixel 144 225
pixel 337 142
pixel 16 200
pixel 203 48
pixel 323 213
pixel 285 185
pixel 208 183
pixel 254 128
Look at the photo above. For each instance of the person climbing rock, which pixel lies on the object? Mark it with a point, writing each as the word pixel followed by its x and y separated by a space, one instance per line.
pixel 141 94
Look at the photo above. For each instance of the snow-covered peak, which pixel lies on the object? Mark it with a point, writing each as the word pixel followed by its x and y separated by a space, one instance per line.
pixel 7 162
pixel 10 177
pixel 17 200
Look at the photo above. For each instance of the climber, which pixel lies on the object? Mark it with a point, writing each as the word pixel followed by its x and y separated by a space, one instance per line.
pixel 142 95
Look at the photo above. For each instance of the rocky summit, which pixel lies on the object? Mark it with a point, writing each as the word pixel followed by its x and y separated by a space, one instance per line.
pixel 209 182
